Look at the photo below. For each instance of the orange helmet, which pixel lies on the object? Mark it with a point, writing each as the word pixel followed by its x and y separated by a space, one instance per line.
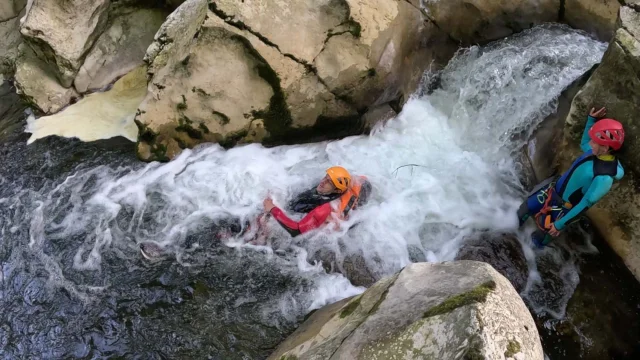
pixel 340 177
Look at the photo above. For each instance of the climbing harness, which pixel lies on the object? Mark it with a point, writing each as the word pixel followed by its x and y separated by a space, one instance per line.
pixel 546 198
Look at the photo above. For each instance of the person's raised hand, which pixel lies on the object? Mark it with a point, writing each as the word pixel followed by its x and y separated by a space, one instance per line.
pixel 598 113
pixel 268 204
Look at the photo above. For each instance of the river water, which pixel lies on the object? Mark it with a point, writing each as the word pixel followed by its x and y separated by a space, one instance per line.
pixel 73 283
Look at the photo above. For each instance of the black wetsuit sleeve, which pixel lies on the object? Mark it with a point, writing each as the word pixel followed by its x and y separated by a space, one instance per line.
pixel 303 203
pixel 309 200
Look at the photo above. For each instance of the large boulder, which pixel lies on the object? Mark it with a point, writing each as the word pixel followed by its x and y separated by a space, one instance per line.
pixel 337 59
pixel 62 32
pixel 363 51
pixel 472 21
pixel 120 48
pixel 202 85
pixel 175 36
pixel 10 39
pixel 307 98
pixel 214 91
pixel 456 310
pixel 297 28
pixel 35 82
pixel 595 16
pixel 616 85
pixel 10 9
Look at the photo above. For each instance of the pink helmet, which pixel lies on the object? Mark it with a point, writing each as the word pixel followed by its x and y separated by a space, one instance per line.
pixel 607 132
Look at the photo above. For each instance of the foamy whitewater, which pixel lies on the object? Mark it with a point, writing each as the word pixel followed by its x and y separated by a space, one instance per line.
pixel 461 136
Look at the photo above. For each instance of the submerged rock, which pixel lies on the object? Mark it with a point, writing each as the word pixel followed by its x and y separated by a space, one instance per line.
pixel 584 294
pixel 502 251
pixel 352 266
pixel 462 309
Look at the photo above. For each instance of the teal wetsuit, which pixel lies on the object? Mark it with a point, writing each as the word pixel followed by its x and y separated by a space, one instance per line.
pixel 588 179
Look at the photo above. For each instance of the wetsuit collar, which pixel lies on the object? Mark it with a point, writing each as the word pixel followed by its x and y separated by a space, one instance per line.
pixel 607 157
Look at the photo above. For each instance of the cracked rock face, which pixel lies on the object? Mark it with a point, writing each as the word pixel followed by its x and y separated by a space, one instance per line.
pixel 471 21
pixel 325 62
pixel 120 48
pixel 462 309
pixel 174 37
pixel 595 16
pixel 70 42
pixel 10 9
pixel 298 28
pixel 307 97
pixel 213 93
pixel 61 32
pixel 36 84
pixel 10 37
pixel 616 85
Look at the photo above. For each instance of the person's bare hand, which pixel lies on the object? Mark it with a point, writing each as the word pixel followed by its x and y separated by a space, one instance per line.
pixel 553 231
pixel 599 113
pixel 268 204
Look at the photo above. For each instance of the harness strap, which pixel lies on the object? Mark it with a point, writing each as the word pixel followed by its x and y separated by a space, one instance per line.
pixel 548 207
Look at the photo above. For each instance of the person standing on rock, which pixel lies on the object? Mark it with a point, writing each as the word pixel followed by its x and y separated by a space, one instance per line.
pixel 556 203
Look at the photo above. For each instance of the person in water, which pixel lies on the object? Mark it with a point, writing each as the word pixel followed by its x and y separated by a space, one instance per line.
pixel 556 204
pixel 335 196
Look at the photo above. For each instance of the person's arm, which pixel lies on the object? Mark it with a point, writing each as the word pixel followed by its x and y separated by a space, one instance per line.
pixel 312 220
pixel 584 142
pixel 591 119
pixel 599 187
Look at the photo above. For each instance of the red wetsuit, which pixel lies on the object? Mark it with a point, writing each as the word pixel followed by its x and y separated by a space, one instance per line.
pixel 313 220
pixel 355 196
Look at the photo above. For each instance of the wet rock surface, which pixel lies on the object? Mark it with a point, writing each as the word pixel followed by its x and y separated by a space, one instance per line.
pixel 352 266
pixel 601 319
pixel 502 251
pixel 425 310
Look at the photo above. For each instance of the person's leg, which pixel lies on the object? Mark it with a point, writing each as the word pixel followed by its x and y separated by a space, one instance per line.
pixel 533 205
pixel 542 238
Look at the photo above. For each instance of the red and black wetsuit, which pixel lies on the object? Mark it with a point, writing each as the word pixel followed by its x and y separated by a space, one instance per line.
pixel 312 220
pixel 317 207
